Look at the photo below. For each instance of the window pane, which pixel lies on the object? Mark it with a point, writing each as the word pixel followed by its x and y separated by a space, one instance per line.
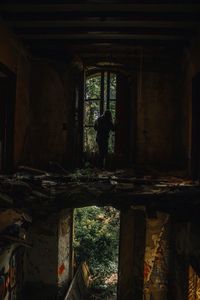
pixel 92 112
pixel 105 88
pixel 113 109
pixel 90 144
pixel 111 143
pixel 93 87
pixel 112 86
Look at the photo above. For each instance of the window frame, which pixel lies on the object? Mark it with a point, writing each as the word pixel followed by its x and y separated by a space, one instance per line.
pixel 104 97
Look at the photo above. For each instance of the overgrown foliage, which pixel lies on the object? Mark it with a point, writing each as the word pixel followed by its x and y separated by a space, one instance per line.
pixel 96 242
pixel 94 95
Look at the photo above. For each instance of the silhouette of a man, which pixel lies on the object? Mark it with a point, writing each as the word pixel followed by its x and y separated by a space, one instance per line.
pixel 103 126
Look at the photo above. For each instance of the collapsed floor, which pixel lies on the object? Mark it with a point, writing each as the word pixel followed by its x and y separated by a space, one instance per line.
pixel 160 214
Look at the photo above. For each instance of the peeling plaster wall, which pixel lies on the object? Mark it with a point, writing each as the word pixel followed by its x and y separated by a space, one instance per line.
pixel 156 263
pixel 65 232
pixel 160 119
pixel 11 271
pixel 49 263
pixel 15 58
pixel 172 259
pixel 41 259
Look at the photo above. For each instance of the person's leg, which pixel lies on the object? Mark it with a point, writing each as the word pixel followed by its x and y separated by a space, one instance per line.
pixel 106 154
pixel 101 155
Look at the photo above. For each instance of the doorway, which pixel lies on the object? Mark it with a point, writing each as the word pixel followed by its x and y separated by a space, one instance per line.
pixel 100 95
pixel 7 103
pixel 195 138
pixel 96 242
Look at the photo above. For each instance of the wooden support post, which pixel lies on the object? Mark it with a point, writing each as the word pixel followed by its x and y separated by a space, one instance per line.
pixel 131 257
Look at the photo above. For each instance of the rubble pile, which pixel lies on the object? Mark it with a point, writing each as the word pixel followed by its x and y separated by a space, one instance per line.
pixel 36 192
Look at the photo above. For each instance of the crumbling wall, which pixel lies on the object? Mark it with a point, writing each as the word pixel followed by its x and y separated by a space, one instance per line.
pixel 41 259
pixel 168 250
pixel 157 257
pixel 65 238
pixel 11 270
pixel 48 264
pixel 172 258
pixel 12 248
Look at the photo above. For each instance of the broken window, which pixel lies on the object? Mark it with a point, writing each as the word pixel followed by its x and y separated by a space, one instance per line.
pixel 100 94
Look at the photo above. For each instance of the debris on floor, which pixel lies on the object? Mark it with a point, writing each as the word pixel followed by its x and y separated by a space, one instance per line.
pixel 37 192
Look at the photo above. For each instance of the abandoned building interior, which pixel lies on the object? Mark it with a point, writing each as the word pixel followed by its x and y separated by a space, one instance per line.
pixel 62 64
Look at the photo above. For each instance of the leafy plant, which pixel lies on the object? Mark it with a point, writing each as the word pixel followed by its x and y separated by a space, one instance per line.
pixel 96 242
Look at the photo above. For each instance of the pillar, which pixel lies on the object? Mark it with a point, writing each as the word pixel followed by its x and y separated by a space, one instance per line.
pixel 48 263
pixel 131 257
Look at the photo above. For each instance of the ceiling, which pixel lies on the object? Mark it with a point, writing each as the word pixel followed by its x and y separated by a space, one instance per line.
pixel 54 28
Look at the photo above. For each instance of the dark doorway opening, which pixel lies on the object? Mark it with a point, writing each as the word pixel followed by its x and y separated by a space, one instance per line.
pixel 109 89
pixel 7 106
pixel 195 138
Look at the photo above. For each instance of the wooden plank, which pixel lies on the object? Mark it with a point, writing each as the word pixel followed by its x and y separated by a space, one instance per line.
pixel 115 30
pixel 107 37
pixel 101 7
pixel 102 24
pixel 79 284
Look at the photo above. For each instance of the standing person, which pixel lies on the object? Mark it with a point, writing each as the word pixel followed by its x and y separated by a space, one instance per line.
pixel 103 126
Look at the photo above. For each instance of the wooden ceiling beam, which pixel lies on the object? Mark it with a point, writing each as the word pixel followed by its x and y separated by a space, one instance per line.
pixel 108 37
pixel 119 47
pixel 100 7
pixel 103 24
pixel 106 31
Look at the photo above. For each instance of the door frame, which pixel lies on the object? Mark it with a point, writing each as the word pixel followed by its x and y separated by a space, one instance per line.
pixel 7 156
pixel 104 103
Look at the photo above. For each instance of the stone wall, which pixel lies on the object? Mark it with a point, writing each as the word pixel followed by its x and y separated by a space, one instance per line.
pixel 41 259
pixel 48 264
pixel 65 260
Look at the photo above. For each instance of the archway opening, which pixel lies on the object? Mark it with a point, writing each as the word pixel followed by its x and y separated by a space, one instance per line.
pixel 96 242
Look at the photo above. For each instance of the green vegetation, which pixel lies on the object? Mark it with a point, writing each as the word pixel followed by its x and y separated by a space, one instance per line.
pixel 94 95
pixel 96 242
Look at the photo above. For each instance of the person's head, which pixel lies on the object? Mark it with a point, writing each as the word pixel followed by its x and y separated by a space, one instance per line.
pixel 107 114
